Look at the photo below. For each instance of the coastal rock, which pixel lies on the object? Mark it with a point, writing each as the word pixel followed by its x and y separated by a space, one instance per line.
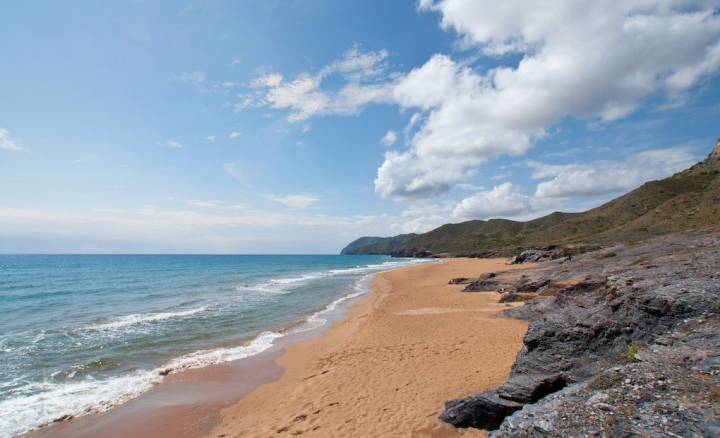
pixel 484 283
pixel 459 280
pixel 483 411
pixel 663 394
pixel 627 320
pixel 525 388
pixel 525 285
pixel 514 297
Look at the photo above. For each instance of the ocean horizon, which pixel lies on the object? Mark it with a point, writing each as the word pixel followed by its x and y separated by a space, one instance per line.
pixel 82 333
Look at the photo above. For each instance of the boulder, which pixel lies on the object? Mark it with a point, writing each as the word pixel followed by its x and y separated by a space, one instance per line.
pixel 483 411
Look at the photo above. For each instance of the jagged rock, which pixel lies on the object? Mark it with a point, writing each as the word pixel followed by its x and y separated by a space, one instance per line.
pixel 514 297
pixel 483 411
pixel 588 330
pixel 459 280
pixel 663 394
pixel 524 285
pixel 486 282
pixel 527 388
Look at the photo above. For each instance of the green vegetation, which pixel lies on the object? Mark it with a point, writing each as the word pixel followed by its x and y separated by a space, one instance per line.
pixel 688 200
pixel 630 353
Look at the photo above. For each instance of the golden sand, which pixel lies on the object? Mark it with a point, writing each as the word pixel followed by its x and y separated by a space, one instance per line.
pixel 387 369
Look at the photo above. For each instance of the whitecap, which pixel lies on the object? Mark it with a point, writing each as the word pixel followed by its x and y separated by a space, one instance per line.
pixel 143 318
pixel 50 401
pixel 203 358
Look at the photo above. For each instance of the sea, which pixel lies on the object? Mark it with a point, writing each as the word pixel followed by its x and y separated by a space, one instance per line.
pixel 85 333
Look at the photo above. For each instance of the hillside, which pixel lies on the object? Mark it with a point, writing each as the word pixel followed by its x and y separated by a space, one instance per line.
pixel 688 200
pixel 376 245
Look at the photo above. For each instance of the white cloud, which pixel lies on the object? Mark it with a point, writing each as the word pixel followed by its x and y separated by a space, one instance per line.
pixel 294 201
pixel 233 135
pixel 305 96
pixel 196 77
pixel 504 200
pixel 210 138
pixel 607 177
pixel 389 138
pixel 172 144
pixel 577 59
pixel 244 102
pixel 215 204
pixel 305 128
pixel 6 142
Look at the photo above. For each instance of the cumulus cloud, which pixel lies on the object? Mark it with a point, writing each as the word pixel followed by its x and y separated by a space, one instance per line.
pixel 389 138
pixel 294 201
pixel 577 59
pixel 504 200
pixel 233 135
pixel 607 177
pixel 6 142
pixel 305 95
pixel 568 183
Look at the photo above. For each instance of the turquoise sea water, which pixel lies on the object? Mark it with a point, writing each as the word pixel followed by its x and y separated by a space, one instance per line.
pixel 83 333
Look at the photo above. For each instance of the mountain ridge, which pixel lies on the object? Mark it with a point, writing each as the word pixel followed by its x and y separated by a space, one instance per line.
pixel 687 200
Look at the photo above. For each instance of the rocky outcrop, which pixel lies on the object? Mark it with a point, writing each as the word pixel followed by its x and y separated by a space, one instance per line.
pixel 463 412
pixel 630 300
pixel 484 283
pixel 552 252
pixel 668 388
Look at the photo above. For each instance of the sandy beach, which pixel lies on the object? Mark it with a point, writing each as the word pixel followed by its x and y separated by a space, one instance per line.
pixel 386 370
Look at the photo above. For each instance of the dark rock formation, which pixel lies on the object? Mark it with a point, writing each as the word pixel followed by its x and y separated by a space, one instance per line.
pixel 484 283
pixel 668 388
pixel 544 254
pixel 527 285
pixel 514 297
pixel 459 280
pixel 627 301
pixel 463 412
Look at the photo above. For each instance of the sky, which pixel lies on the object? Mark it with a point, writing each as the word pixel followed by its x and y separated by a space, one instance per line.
pixel 288 126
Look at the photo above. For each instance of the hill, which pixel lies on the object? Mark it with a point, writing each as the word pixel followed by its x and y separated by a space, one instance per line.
pixel 688 200
pixel 376 245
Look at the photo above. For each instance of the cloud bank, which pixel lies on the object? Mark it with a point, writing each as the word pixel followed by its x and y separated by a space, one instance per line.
pixel 591 60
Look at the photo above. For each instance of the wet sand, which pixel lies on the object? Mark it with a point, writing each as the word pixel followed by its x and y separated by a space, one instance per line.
pixel 388 368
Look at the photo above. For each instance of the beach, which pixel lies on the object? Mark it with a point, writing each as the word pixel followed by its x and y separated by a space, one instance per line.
pixel 387 368
pixel 383 365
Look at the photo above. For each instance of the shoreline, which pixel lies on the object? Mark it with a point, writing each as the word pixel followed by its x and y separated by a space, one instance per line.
pixel 203 401
pixel 203 391
pixel 387 368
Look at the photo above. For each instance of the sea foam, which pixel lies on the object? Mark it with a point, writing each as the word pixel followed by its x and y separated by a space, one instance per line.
pixel 140 318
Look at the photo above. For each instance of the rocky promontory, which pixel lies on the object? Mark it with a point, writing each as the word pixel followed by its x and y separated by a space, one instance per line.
pixel 623 341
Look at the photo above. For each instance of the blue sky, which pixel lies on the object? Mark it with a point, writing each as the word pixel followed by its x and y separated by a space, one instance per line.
pixel 296 126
